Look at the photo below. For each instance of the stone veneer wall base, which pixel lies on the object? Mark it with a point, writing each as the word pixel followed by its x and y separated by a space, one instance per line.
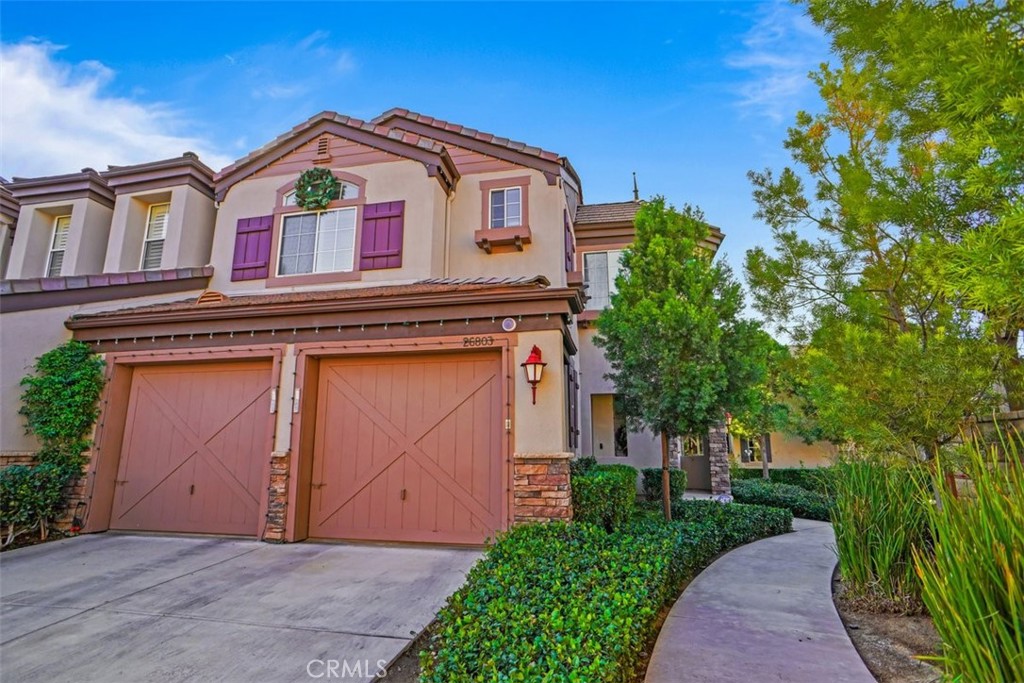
pixel 541 487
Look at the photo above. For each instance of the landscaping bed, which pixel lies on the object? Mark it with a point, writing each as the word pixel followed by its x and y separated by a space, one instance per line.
pixel 576 602
pixel 890 644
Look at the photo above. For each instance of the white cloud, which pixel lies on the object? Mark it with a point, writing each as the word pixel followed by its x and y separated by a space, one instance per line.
pixel 57 117
pixel 778 52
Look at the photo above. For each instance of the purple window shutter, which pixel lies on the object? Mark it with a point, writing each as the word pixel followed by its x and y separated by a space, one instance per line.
pixel 570 248
pixel 252 248
pixel 380 244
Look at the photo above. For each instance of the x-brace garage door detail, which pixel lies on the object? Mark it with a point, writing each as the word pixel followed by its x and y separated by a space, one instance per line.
pixel 197 438
pixel 408 448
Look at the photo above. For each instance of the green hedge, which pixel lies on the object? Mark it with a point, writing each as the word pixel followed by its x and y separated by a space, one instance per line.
pixel 571 603
pixel 605 495
pixel 736 523
pixel 813 479
pixel 652 483
pixel 800 501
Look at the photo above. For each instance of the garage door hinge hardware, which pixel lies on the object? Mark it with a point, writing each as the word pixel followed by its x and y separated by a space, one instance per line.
pixel 508 424
pixel 118 482
pixel 403 494
pixel 191 489
pixel 273 400
pixel 318 486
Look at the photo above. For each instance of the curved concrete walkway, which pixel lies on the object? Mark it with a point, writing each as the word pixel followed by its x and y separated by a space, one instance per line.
pixel 762 612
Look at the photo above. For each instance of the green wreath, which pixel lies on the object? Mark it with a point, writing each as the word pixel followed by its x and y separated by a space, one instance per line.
pixel 316 188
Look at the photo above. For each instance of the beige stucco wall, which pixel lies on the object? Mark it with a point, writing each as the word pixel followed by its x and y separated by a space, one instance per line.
pixel 644 448
pixel 791 451
pixel 87 239
pixel 540 428
pixel 31 245
pixel 6 242
pixel 545 255
pixel 385 182
pixel 190 236
pixel 24 336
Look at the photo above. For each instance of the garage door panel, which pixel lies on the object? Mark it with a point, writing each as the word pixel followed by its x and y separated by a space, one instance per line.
pixel 397 453
pixel 195 445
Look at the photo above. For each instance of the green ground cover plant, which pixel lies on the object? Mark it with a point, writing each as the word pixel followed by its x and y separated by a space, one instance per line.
pixel 651 483
pixel 605 495
pixel 973 580
pixel 574 603
pixel 799 501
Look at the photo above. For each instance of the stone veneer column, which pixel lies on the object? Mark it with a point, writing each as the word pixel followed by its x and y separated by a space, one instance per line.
pixel 278 505
pixel 541 487
pixel 718 457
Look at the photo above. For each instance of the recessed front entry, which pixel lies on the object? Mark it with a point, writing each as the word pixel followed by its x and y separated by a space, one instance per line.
pixel 408 448
pixel 196 443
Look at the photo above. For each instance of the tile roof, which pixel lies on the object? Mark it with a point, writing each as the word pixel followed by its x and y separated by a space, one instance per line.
pixel 612 212
pixel 66 282
pixel 358 124
pixel 468 132
pixel 433 286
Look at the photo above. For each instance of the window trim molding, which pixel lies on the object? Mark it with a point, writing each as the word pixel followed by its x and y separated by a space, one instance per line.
pixel 145 235
pixel 53 239
pixel 280 212
pixel 487 238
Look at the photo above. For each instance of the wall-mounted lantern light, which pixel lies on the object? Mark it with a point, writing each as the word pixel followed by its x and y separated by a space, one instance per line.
pixel 534 368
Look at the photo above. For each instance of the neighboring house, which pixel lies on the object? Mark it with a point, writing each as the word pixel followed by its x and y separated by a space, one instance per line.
pixel 350 373
pixel 783 450
pixel 602 232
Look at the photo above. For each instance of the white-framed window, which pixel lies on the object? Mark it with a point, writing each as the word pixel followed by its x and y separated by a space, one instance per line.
pixel 156 231
pixel 55 259
pixel 322 242
pixel 600 268
pixel 507 207
pixel 345 191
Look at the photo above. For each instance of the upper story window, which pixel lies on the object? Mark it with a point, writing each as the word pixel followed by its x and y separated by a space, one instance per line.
pixel 600 268
pixel 506 208
pixel 345 191
pixel 156 231
pixel 55 259
pixel 322 242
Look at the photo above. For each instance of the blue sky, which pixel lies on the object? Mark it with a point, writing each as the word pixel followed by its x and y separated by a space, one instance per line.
pixel 689 95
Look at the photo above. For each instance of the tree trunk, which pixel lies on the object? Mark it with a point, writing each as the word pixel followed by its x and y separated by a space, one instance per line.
pixel 666 500
pixel 764 458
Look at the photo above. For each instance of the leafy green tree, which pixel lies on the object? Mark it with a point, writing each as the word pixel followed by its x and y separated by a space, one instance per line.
pixel 851 279
pixel 770 401
pixel 680 354
pixel 954 75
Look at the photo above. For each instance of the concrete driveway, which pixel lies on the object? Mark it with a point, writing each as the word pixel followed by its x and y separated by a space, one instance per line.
pixel 114 607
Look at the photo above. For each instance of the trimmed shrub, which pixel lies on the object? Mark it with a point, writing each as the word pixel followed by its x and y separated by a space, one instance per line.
pixel 581 465
pixel 652 483
pixel 972 582
pixel 570 603
pixel 736 523
pixel 799 501
pixel 813 479
pixel 606 495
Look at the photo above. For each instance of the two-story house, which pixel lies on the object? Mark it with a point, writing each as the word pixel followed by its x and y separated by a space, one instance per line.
pixel 351 371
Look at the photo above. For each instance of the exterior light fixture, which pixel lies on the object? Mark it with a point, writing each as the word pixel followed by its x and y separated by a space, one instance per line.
pixel 534 367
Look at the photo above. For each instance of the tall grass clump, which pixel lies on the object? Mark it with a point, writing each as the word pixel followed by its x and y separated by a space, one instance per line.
pixel 879 517
pixel 973 580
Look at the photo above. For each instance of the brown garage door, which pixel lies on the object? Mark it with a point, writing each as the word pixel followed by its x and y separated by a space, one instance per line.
pixel 408 449
pixel 196 440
